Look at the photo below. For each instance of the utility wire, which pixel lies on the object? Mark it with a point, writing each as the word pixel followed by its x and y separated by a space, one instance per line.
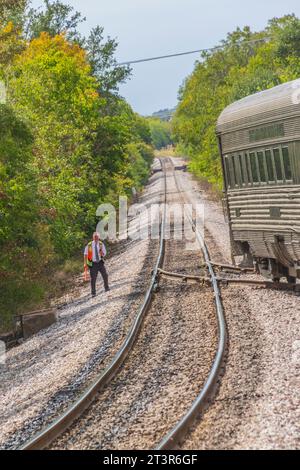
pixel 130 62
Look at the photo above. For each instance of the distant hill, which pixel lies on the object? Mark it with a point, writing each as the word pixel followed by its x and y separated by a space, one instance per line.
pixel 164 114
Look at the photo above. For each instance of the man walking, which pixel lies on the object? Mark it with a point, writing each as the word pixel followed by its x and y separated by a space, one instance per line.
pixel 94 253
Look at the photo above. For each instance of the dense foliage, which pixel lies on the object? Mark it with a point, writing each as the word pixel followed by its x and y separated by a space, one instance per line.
pixel 68 142
pixel 160 133
pixel 236 70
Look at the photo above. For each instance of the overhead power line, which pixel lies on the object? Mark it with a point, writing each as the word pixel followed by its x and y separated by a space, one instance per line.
pixel 211 49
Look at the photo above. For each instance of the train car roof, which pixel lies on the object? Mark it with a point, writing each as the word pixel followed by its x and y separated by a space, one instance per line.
pixel 271 105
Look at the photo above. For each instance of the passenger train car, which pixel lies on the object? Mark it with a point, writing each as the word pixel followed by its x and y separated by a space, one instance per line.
pixel 259 140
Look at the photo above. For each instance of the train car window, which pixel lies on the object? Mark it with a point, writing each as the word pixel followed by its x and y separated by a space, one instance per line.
pixel 235 171
pixel 227 171
pixel 242 169
pixel 248 168
pixel 234 181
pixel 270 166
pixel 253 164
pixel 261 166
pixel 231 172
pixel 238 170
pixel 278 167
pixel 287 163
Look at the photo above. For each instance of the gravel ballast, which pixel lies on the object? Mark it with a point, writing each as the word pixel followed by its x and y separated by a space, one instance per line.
pixel 44 374
pixel 258 404
pixel 166 369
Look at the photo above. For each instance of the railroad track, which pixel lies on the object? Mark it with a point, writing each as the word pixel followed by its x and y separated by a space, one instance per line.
pixel 44 438
pixel 179 431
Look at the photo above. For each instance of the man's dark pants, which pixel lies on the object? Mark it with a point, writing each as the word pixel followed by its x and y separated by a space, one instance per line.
pixel 98 267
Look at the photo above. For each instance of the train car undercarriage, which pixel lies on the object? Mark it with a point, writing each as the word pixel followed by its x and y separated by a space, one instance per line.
pixel 281 266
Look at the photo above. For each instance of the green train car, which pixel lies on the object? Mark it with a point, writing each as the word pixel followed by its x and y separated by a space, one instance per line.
pixel 259 140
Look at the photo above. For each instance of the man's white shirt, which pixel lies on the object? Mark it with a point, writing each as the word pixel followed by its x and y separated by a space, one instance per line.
pixel 95 247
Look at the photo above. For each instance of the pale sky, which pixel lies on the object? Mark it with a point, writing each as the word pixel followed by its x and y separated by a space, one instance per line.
pixel 147 28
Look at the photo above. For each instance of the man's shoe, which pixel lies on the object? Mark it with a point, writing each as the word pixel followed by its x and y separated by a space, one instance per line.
pixel 107 289
pixel 93 295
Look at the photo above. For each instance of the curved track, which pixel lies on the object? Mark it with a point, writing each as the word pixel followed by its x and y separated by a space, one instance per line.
pixel 50 433
pixel 63 422
pixel 178 432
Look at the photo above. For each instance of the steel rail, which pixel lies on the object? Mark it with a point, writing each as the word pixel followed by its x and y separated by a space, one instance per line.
pixel 230 267
pixel 184 277
pixel 206 281
pixel 45 437
pixel 173 437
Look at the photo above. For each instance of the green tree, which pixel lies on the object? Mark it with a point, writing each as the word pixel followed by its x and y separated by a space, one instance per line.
pixel 19 217
pixel 11 44
pixel 55 18
pixel 12 10
pixel 58 18
pixel 52 89
pixel 112 150
pixel 160 133
pixel 225 75
pixel 68 142
pixel 104 65
pixel 287 45
pixel 17 183
pixel 142 129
